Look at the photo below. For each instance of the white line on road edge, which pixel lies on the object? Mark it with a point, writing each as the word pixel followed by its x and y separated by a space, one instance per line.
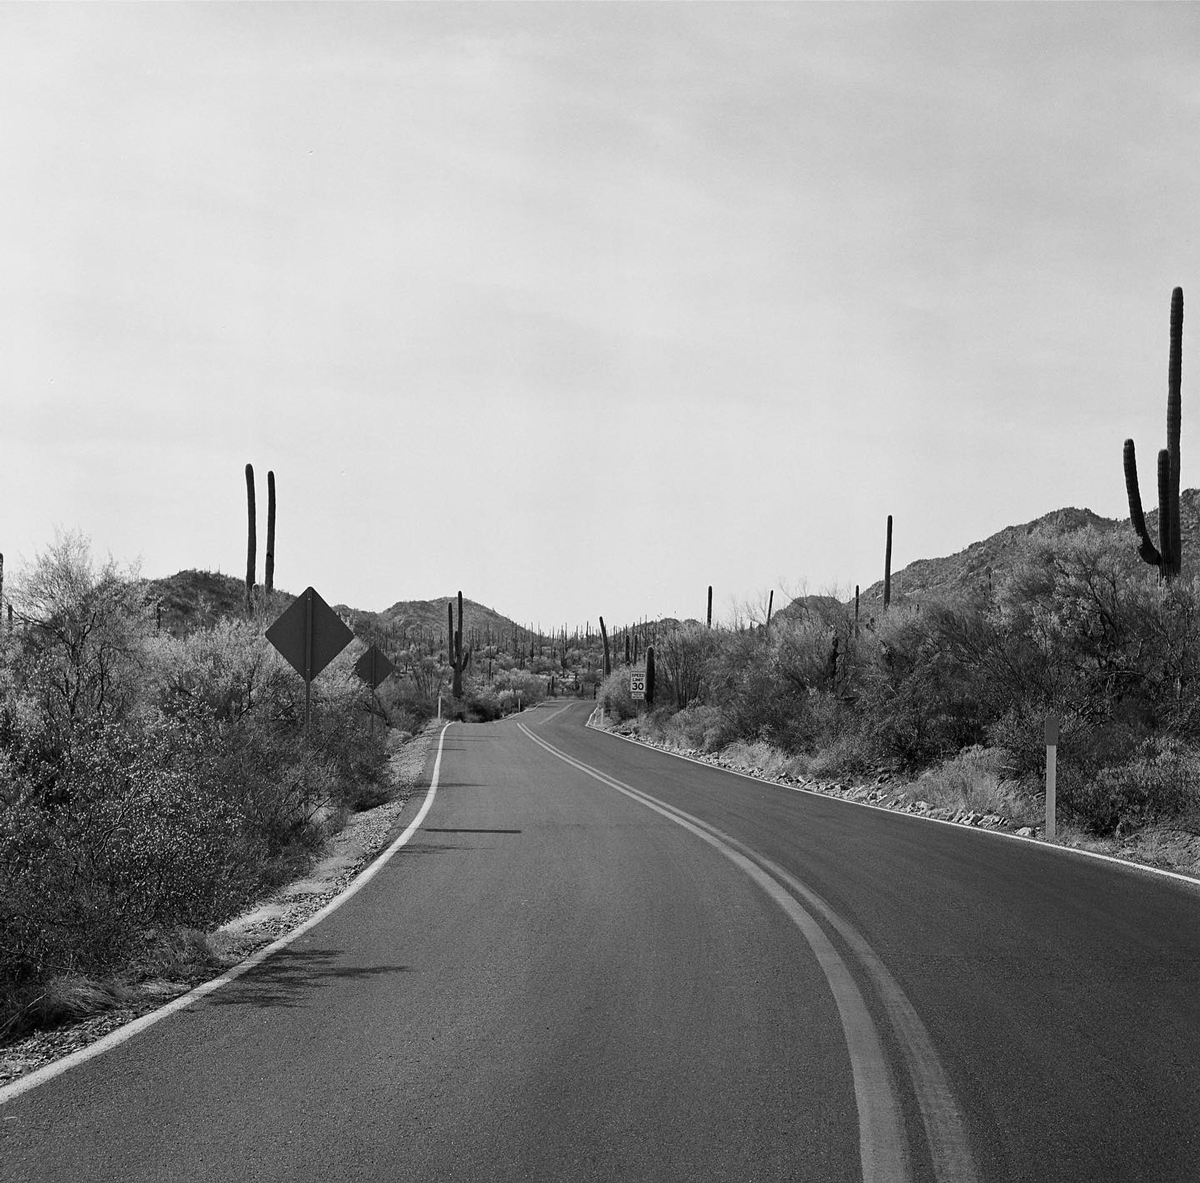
pixel 1040 843
pixel 882 1146
pixel 121 1034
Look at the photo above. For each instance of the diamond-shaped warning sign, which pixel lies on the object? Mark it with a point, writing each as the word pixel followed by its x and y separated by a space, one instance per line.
pixel 373 667
pixel 309 634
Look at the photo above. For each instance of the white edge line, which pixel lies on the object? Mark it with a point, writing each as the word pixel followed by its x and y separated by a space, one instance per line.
pixel 114 1038
pixel 1040 843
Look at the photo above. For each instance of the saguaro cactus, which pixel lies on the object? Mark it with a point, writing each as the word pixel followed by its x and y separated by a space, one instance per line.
pixel 770 605
pixel 607 662
pixel 251 540
pixel 269 573
pixel 1167 557
pixel 887 567
pixel 458 659
pixel 649 675
pixel 710 605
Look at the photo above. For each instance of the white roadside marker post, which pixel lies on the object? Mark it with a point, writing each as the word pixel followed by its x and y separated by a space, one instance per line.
pixel 1051 771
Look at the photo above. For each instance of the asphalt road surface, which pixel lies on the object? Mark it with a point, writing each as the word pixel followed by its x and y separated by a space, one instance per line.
pixel 595 961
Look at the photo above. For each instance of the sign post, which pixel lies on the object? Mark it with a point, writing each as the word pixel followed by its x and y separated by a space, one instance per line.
pixel 309 634
pixel 1052 722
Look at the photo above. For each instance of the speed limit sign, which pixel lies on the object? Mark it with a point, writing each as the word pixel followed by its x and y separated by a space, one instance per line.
pixel 637 684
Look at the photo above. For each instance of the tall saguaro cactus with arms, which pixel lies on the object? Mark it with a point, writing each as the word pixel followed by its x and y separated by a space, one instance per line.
pixel 1167 556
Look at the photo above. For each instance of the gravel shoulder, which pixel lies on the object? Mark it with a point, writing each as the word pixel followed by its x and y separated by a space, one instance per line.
pixel 347 852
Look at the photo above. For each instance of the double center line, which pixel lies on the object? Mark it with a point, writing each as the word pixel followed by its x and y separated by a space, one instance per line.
pixel 883 1147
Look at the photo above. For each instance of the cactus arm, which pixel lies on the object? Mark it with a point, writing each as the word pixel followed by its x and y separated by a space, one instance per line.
pixel 1166 514
pixel 1146 548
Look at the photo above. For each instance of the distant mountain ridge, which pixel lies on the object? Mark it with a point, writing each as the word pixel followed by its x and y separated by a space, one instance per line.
pixel 194 598
pixel 197 599
pixel 972 565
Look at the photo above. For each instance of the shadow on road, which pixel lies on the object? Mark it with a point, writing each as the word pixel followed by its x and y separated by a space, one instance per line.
pixel 465 830
pixel 283 977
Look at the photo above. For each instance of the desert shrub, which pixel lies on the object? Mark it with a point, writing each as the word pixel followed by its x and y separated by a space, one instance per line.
pixel 513 686
pixel 1160 782
pixel 698 727
pixel 756 699
pixel 615 698
pixel 144 840
pixel 406 706
pixel 483 703
pixel 149 783
pixel 919 701
pixel 225 672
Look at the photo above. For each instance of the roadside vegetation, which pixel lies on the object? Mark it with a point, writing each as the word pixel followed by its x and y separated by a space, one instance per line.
pixel 157 778
pixel 949 695
pixel 150 785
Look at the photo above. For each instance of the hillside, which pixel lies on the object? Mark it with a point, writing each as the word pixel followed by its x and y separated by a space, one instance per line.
pixel 413 619
pixel 992 556
pixel 196 599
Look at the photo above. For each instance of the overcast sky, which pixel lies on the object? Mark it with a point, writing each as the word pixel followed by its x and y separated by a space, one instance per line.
pixel 580 309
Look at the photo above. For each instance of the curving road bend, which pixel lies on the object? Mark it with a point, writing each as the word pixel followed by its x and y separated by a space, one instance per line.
pixel 596 961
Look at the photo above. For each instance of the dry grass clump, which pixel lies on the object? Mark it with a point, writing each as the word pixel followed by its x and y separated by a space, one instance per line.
pixel 974 780
pixel 759 757
pixel 64 999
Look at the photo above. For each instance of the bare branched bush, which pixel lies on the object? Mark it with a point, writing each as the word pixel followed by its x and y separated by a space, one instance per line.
pixel 681 660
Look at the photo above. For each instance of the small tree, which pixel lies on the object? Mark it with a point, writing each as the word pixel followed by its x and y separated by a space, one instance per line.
pixel 83 644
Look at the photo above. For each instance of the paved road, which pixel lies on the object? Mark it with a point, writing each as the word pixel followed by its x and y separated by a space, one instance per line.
pixel 595 961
